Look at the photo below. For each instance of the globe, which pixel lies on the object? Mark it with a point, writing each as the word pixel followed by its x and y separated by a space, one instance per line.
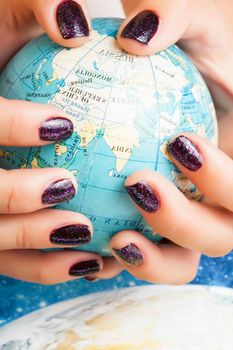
pixel 124 108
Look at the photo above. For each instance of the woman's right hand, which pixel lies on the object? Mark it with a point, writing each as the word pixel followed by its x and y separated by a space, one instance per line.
pixel 203 29
pixel 27 223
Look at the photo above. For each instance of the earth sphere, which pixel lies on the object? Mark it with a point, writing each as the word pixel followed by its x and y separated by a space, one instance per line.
pixel 124 108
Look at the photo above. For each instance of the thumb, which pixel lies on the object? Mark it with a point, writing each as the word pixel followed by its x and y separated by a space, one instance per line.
pixel 153 25
pixel 66 22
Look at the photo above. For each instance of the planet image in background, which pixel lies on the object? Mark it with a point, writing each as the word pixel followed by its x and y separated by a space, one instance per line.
pixel 142 318
pixel 124 108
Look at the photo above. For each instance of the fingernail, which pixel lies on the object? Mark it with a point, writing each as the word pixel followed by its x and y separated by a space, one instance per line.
pixel 71 235
pixel 59 191
pixel 142 27
pixel 91 279
pixel 56 129
pixel 85 268
pixel 130 254
pixel 187 154
pixel 142 194
pixel 71 20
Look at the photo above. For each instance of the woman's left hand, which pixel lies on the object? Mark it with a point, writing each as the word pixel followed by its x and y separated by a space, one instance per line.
pixel 191 228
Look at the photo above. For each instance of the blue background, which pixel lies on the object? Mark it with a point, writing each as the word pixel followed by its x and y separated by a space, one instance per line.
pixel 18 298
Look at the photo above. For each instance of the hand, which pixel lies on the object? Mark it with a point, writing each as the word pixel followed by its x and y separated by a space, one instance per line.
pixel 26 222
pixel 194 227
pixel 204 29
pixel 66 22
pixel 209 44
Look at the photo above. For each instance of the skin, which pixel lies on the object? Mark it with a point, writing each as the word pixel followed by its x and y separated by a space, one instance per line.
pixel 210 46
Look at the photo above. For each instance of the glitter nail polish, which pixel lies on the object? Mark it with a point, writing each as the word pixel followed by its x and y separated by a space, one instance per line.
pixel 56 129
pixel 59 191
pixel 91 279
pixel 130 254
pixel 187 154
pixel 71 235
pixel 142 194
pixel 85 268
pixel 71 20
pixel 142 27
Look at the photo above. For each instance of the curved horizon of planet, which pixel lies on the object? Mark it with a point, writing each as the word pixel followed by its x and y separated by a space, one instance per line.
pixel 125 109
pixel 90 322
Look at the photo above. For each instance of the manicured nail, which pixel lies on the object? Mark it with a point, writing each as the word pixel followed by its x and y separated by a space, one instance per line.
pixel 85 268
pixel 184 150
pixel 59 191
pixel 71 20
pixel 91 279
pixel 130 254
pixel 142 194
pixel 142 27
pixel 56 129
pixel 71 235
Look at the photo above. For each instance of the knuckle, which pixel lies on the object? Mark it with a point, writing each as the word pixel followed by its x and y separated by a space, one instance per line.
pixel 12 127
pixel 175 233
pixel 11 198
pixel 43 275
pixel 179 231
pixel 23 240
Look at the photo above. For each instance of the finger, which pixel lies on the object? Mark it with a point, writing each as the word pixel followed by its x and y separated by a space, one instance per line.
pixel 44 229
pixel 165 263
pixel 176 218
pixel 32 124
pixel 111 268
pixel 66 22
pixel 26 190
pixel 48 267
pixel 225 126
pixel 206 166
pixel 149 38
pixel 152 26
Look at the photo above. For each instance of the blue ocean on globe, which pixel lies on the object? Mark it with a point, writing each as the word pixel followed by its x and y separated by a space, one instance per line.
pixel 31 75
pixel 125 109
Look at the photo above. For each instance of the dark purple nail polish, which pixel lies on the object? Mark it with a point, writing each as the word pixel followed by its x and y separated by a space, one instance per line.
pixel 59 191
pixel 142 27
pixel 71 20
pixel 91 279
pixel 85 268
pixel 130 254
pixel 183 150
pixel 142 194
pixel 56 129
pixel 71 235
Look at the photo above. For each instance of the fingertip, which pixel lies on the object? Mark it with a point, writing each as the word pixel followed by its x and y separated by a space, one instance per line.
pixel 186 153
pixel 127 247
pixel 150 28
pixel 137 31
pixel 56 129
pixel 66 22
pixel 72 20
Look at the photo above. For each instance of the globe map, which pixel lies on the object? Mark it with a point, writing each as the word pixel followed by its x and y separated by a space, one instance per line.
pixel 125 109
